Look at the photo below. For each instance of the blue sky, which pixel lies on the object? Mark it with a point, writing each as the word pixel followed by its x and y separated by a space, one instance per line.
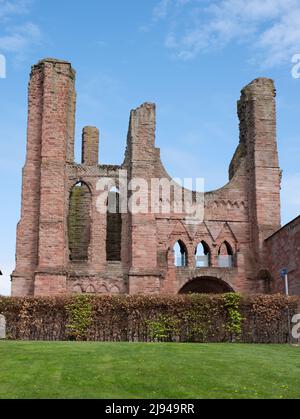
pixel 191 57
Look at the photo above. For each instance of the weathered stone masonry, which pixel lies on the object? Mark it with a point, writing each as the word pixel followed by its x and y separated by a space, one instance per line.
pixel 64 245
pixel 283 251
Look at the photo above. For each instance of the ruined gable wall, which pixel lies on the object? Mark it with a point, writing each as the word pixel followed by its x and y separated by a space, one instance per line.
pixel 243 213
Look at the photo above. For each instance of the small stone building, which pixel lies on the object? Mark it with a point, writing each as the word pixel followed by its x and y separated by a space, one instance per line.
pixel 66 246
pixel 283 251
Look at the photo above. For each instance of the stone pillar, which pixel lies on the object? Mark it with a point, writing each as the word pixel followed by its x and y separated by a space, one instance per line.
pixel 41 238
pixel 141 161
pixel 57 129
pixel 257 113
pixel 90 146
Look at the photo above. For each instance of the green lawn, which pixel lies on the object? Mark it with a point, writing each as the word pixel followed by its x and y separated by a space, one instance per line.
pixel 112 370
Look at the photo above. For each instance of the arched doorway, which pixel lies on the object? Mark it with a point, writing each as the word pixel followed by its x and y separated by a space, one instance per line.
pixel 206 285
pixel 79 222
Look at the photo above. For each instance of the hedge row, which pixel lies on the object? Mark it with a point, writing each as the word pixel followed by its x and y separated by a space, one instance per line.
pixel 192 318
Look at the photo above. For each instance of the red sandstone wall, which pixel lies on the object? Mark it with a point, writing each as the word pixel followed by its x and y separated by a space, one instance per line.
pixel 283 251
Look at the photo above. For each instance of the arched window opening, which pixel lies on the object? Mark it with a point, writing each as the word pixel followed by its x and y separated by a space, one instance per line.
pixel 79 222
pixel 202 255
pixel 180 253
pixel 114 227
pixel 225 257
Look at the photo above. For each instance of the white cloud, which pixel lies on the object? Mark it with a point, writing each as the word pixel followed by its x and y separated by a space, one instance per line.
pixel 165 7
pixel 16 34
pixel 282 40
pixel 13 7
pixel 19 38
pixel 161 9
pixel 271 28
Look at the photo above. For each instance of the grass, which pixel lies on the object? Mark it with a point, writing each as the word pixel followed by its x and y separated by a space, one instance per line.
pixel 123 370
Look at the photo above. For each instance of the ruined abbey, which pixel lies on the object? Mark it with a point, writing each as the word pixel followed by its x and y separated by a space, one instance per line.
pixel 66 246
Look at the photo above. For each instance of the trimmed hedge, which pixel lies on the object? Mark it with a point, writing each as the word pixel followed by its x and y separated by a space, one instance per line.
pixel 191 318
